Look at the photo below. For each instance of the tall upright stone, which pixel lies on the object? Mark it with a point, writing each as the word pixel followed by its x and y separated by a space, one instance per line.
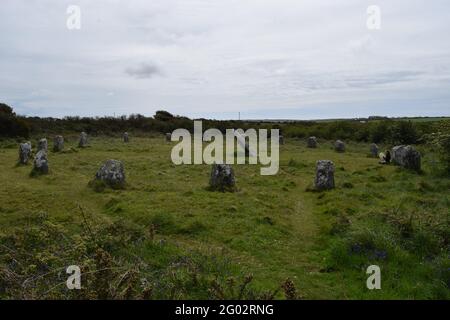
pixel 83 140
pixel 168 137
pixel 24 152
pixel 112 173
pixel 222 178
pixel 407 157
pixel 126 138
pixel 311 142
pixel 42 145
pixel 58 143
pixel 339 146
pixel 40 163
pixel 281 140
pixel 324 175
pixel 374 150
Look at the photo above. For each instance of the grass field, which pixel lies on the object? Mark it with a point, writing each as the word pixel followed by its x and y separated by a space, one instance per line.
pixel 166 236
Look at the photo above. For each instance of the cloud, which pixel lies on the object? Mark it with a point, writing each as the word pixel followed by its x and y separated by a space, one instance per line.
pixel 220 57
pixel 144 71
pixel 387 78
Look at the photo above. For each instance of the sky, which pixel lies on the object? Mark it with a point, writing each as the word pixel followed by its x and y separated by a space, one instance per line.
pixel 264 59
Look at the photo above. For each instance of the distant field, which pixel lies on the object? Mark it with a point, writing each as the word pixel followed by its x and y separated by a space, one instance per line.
pixel 166 236
pixel 420 119
pixel 413 119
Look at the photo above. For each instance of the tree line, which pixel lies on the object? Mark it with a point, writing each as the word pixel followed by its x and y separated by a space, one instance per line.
pixel 379 130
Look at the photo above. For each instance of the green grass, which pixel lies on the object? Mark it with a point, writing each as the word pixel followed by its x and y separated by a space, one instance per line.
pixel 272 228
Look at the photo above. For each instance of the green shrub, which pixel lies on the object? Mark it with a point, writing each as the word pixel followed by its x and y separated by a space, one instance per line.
pixel 440 141
pixel 11 125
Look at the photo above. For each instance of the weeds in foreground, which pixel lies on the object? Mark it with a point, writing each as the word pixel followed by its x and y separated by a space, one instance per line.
pixel 33 262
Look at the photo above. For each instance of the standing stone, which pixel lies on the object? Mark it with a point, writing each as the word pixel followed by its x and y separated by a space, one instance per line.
pixel 58 143
pixel 83 140
pixel 339 146
pixel 324 175
pixel 222 178
pixel 126 138
pixel 24 152
pixel 168 136
pixel 42 145
pixel 407 157
pixel 311 142
pixel 281 140
pixel 112 173
pixel 374 150
pixel 41 162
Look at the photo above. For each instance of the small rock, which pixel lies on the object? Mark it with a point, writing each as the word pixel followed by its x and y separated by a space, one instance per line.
pixel 83 140
pixel 126 138
pixel 407 157
pixel 311 142
pixel 339 146
pixel 41 162
pixel 58 143
pixel 324 175
pixel 42 145
pixel 222 178
pixel 24 152
pixel 112 173
pixel 374 150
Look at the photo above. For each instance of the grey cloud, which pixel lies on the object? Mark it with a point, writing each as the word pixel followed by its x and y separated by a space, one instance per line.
pixel 383 79
pixel 144 71
pixel 223 56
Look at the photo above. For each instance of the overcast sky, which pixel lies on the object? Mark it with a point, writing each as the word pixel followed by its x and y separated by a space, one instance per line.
pixel 214 58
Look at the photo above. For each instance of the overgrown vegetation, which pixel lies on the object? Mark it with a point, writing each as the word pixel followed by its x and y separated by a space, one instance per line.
pixel 374 129
pixel 33 262
pixel 10 124
pixel 440 142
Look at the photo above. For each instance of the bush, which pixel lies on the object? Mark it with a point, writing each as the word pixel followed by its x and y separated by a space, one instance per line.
pixel 440 140
pixel 404 132
pixel 10 125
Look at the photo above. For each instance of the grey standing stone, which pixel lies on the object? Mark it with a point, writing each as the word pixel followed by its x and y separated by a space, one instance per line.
pixel 374 150
pixel 42 145
pixel 339 146
pixel 58 143
pixel 168 136
pixel 311 142
pixel 41 162
pixel 281 140
pixel 222 178
pixel 112 173
pixel 83 140
pixel 324 175
pixel 24 152
pixel 407 157
pixel 126 138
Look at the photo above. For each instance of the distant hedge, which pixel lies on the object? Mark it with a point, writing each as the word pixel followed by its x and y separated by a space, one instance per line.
pixel 378 130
